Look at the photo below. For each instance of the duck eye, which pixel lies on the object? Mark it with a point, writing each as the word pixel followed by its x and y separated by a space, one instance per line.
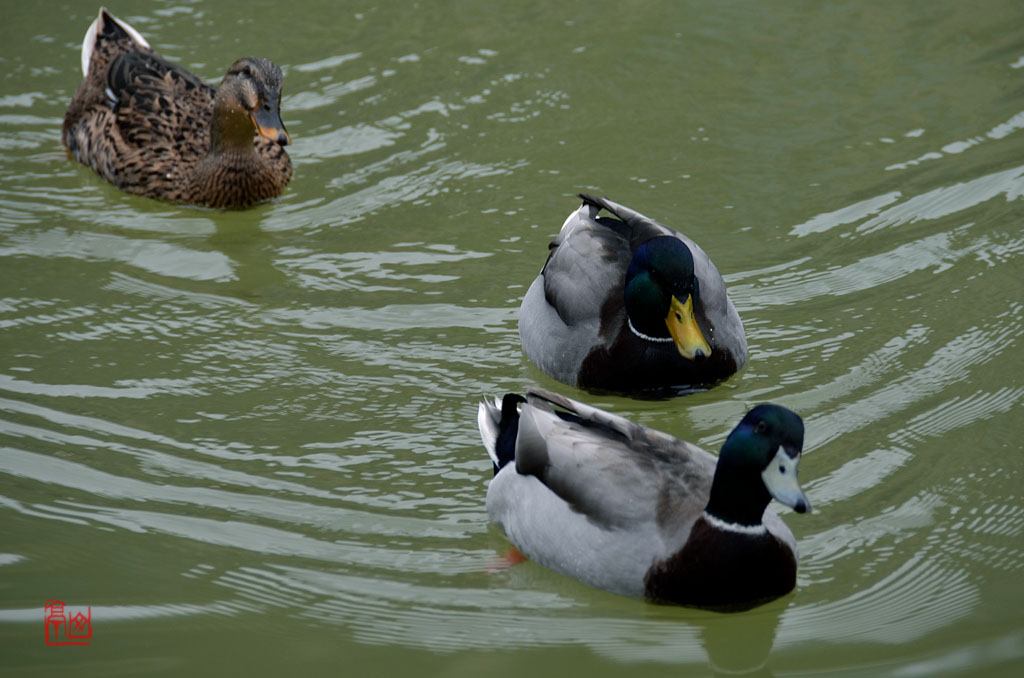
pixel 247 72
pixel 760 427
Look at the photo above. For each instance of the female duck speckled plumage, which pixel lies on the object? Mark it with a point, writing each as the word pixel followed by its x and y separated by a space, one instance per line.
pixel 627 304
pixel 634 511
pixel 152 128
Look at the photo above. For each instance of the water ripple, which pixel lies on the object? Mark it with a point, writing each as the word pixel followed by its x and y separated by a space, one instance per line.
pixel 918 597
pixel 160 258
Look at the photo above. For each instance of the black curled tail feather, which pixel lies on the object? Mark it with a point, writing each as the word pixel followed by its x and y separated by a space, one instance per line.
pixel 620 223
pixel 508 429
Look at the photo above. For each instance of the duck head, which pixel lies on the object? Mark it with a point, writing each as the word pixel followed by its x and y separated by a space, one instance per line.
pixel 759 461
pixel 660 294
pixel 249 100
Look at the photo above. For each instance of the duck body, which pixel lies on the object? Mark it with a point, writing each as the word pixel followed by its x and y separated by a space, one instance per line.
pixel 152 128
pixel 634 511
pixel 599 313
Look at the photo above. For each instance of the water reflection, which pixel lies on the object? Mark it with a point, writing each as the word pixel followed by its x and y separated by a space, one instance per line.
pixel 741 644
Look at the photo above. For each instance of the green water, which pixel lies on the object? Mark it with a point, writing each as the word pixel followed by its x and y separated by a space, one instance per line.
pixel 247 439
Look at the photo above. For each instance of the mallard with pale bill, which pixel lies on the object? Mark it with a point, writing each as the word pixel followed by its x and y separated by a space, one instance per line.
pixel 628 509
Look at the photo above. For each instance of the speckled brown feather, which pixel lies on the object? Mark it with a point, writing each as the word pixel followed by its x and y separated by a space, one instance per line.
pixel 154 137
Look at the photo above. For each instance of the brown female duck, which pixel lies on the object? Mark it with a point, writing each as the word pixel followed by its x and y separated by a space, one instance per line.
pixel 152 128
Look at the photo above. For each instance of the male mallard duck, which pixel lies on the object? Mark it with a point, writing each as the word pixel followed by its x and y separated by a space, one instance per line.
pixel 628 304
pixel 152 128
pixel 632 510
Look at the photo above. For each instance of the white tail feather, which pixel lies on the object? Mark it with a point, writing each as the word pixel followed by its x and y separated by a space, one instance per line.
pixel 89 42
pixel 487 417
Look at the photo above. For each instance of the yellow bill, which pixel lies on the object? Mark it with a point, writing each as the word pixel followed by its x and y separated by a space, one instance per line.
pixel 685 332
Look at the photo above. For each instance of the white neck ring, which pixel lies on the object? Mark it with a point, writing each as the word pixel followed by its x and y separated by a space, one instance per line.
pixel 644 336
pixel 736 528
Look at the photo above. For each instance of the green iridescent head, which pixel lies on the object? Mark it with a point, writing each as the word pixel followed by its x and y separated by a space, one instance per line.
pixel 759 461
pixel 660 293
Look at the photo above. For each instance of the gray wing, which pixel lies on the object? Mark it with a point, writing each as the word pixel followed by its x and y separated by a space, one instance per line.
pixel 587 262
pixel 615 473
pixel 718 307
pixel 560 317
